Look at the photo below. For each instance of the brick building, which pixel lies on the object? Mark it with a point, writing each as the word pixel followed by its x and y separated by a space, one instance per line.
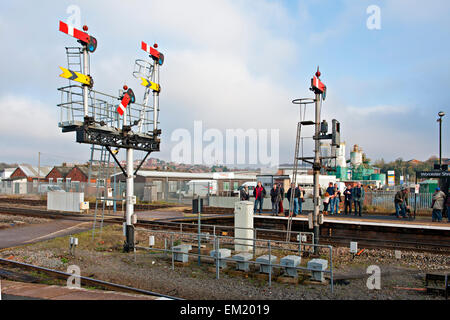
pixel 58 174
pixel 26 178
pixel 30 173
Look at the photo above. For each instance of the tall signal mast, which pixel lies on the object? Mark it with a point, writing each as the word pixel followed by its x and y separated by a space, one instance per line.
pixel 319 89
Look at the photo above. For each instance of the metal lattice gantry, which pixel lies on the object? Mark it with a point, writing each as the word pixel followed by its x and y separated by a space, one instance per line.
pixel 94 115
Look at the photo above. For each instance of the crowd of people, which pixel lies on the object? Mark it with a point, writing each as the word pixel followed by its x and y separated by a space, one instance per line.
pixel 352 197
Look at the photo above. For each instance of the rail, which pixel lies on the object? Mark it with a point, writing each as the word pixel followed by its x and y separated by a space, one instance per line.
pixel 105 284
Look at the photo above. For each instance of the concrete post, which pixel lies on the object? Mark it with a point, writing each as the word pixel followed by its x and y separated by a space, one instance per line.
pixel 243 218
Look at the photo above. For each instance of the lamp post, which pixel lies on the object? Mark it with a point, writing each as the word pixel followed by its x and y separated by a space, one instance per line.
pixel 441 115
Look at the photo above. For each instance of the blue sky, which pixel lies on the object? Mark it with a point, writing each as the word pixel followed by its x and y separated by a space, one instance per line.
pixel 238 64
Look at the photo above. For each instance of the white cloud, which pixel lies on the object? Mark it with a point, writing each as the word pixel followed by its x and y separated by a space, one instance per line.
pixel 417 11
pixel 24 117
pixel 228 63
pixel 375 110
pixel 29 126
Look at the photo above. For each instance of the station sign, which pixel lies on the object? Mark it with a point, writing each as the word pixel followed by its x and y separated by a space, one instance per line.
pixel 433 174
pixel 391 178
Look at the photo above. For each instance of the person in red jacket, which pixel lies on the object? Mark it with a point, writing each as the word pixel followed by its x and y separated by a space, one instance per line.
pixel 259 193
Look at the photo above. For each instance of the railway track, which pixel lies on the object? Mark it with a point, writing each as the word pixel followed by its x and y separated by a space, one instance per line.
pixel 84 280
pixel 343 238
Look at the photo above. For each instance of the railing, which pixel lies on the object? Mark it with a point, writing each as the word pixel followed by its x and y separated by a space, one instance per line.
pixel 223 241
pixel 102 107
pixel 385 200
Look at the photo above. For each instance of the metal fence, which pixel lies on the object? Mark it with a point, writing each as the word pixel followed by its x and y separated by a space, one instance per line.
pixel 177 191
pixel 166 190
pixel 385 200
pixel 264 247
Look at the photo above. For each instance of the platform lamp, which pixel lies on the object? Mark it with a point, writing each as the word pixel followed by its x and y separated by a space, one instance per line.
pixel 441 115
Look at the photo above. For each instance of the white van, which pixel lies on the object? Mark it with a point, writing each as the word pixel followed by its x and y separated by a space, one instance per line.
pixel 200 188
pixel 250 184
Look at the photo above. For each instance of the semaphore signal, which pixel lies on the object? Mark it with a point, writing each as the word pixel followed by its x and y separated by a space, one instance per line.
pixel 76 76
pixel 128 98
pixel 155 54
pixel 151 85
pixel 89 41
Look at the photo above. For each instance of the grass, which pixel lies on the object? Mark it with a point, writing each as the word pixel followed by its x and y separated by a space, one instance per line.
pixel 110 238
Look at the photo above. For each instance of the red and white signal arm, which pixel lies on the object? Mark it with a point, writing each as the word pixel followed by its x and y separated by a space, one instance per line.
pixel 156 55
pixel 318 85
pixel 90 41
pixel 128 98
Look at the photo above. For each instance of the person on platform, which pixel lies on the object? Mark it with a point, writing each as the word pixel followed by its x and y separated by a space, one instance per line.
pixel 401 201
pixel 259 193
pixel 331 191
pixel 280 207
pixel 295 195
pixel 301 199
pixel 437 205
pixel 326 200
pixel 447 204
pixel 337 198
pixel 244 194
pixel 348 200
pixel 358 194
pixel 275 196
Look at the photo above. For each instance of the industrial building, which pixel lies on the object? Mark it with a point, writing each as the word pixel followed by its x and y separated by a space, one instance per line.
pixel 24 179
pixel 357 168
pixel 159 185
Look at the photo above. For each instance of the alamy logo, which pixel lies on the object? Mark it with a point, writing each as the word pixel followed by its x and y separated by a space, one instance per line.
pixel 74 281
pixel 374 20
pixel 374 281
pixel 74 19
pixel 237 146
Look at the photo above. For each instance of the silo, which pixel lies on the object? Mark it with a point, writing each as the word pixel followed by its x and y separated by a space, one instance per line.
pixel 340 156
pixel 356 156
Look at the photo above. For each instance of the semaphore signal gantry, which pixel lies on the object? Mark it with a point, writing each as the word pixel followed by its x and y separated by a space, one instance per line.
pixel 90 113
pixel 107 120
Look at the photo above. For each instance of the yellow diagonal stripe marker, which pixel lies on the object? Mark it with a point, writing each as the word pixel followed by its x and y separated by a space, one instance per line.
pixel 75 76
pixel 149 84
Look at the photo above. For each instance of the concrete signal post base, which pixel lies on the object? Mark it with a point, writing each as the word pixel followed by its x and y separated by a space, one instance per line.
pixel 129 239
pixel 243 218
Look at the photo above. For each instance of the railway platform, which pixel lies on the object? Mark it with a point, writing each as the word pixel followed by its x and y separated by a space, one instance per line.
pixel 12 290
pixel 369 220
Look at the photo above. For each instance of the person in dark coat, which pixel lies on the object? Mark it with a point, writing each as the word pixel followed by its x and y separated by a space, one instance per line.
pixel 244 194
pixel 296 195
pixel 348 200
pixel 259 193
pixel 401 201
pixel 280 187
pixel 358 195
pixel 275 196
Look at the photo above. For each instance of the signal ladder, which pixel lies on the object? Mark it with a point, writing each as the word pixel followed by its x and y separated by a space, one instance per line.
pixel 298 142
pixel 101 167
